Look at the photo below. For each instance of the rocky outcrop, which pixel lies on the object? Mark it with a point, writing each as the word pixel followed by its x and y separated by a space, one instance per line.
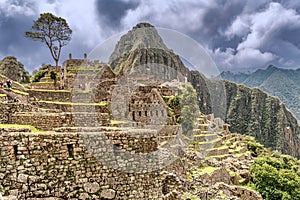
pixel 14 69
pixel 248 111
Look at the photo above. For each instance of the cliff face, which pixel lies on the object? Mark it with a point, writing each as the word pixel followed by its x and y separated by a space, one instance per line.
pixel 248 111
pixel 253 112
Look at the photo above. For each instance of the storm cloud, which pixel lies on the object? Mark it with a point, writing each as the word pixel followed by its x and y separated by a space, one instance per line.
pixel 239 35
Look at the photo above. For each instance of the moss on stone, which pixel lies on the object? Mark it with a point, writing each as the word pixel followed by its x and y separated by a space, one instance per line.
pixel 16 126
pixel 102 103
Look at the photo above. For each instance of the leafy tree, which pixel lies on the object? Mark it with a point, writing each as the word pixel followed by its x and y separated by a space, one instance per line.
pixel 52 30
pixel 53 76
pixel 276 177
pixel 40 73
pixel 189 108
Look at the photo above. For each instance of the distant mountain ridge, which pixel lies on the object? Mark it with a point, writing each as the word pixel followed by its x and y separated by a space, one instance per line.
pixel 283 83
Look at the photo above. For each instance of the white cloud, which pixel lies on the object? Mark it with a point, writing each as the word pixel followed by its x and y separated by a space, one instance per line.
pixel 9 8
pixel 265 25
pixel 242 59
pixel 180 15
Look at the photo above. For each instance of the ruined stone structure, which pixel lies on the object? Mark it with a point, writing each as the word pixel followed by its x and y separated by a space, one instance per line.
pixel 83 149
pixel 149 108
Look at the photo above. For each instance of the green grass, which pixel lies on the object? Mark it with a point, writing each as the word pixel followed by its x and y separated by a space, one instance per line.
pixel 37 83
pixel 242 154
pixel 203 124
pixel 32 128
pixel 114 122
pixel 42 90
pixel 208 170
pixel 190 196
pixel 83 68
pixel 102 103
pixel 210 141
pixel 218 148
pixel 83 92
pixel 19 92
pixel 204 135
pixel 2 95
pixel 217 156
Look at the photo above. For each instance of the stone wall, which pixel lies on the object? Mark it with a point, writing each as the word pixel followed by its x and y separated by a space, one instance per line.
pixel 50 121
pixel 58 95
pixel 8 109
pixel 40 120
pixel 74 108
pixel 68 166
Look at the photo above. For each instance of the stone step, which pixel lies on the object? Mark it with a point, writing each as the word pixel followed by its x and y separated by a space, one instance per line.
pixel 219 157
pixel 77 129
pixel 205 137
pixel 217 151
pixel 74 107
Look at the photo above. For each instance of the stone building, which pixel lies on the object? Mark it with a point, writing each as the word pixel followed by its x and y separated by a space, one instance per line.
pixel 148 108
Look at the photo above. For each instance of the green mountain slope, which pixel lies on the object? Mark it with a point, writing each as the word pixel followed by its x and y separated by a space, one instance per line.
pixel 283 83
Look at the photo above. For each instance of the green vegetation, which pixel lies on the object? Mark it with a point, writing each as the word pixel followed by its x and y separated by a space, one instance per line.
pixel 42 90
pixel 287 89
pixel 53 76
pixel 276 177
pixel 19 92
pixel 40 73
pixel 208 169
pixel 190 109
pixel 32 128
pixel 2 95
pixel 103 103
pixel 83 68
pixel 115 122
pixel 190 196
pixel 254 147
pixel 173 105
pixel 82 92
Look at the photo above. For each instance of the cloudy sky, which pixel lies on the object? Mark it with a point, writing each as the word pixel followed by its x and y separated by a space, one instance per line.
pixel 238 34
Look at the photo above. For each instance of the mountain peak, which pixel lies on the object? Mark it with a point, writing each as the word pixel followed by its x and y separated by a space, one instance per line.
pixel 143 25
pixel 272 67
pixel 141 36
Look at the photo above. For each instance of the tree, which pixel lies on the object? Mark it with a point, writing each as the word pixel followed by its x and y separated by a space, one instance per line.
pixel 52 30
pixel 276 177
pixel 189 108
pixel 53 76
